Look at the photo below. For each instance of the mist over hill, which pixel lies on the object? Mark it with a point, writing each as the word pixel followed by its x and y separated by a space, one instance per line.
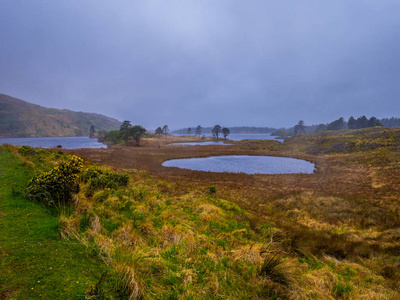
pixel 19 118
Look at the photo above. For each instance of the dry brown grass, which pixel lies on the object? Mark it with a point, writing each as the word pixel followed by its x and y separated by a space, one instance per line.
pixel 127 237
pixel 345 215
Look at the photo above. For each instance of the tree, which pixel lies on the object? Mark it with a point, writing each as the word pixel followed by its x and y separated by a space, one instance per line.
pixel 362 122
pixel 165 129
pixel 336 125
pixel 124 129
pixel 374 122
pixel 340 123
pixel 113 136
pixel 92 131
pixel 216 131
pixel 159 131
pixel 299 128
pixel 225 132
pixel 321 127
pixel 189 130
pixel 125 125
pixel 351 123
pixel 198 130
pixel 392 122
pixel 137 132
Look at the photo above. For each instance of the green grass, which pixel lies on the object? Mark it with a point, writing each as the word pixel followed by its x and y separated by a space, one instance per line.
pixel 34 262
pixel 335 233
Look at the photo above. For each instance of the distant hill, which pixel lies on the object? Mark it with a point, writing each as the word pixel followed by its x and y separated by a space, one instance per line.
pixel 19 118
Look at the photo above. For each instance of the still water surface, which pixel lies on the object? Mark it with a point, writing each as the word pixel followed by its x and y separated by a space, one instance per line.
pixel 50 142
pixel 252 136
pixel 202 143
pixel 244 163
pixel 234 137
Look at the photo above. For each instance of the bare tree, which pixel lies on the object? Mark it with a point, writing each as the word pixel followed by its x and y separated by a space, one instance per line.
pixel 265 250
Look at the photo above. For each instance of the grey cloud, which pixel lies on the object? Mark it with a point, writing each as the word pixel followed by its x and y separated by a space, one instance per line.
pixel 184 63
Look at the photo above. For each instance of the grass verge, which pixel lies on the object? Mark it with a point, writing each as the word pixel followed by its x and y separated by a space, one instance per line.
pixel 34 262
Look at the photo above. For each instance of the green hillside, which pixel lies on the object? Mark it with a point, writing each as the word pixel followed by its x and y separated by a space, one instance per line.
pixel 19 118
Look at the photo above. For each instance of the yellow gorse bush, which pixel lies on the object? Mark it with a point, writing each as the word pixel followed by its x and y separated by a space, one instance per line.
pixel 57 185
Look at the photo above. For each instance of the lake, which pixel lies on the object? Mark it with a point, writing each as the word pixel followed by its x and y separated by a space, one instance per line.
pixel 74 142
pixel 233 137
pixel 244 163
pixel 202 143
pixel 252 136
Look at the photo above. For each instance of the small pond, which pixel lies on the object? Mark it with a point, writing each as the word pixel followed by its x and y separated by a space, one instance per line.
pixel 244 163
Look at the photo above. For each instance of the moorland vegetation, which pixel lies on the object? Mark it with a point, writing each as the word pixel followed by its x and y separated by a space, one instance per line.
pixel 339 124
pixel 168 233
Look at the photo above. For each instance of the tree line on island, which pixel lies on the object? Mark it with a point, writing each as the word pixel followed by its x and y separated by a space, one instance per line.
pixel 215 131
pixel 232 130
pixel 128 133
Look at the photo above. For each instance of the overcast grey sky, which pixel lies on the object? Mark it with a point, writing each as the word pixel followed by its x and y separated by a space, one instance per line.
pixel 185 63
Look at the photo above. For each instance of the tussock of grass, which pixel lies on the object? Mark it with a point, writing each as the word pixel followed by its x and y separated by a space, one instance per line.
pixel 272 269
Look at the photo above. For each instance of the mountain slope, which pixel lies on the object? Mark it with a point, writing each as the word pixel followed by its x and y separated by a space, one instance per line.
pixel 19 118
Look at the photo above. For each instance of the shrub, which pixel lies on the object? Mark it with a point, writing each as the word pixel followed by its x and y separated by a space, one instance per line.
pixel 117 179
pixel 57 185
pixel 90 173
pixel 111 180
pixel 58 154
pixel 211 190
pixel 26 150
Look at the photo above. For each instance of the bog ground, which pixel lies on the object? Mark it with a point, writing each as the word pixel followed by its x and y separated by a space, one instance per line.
pixel 180 234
